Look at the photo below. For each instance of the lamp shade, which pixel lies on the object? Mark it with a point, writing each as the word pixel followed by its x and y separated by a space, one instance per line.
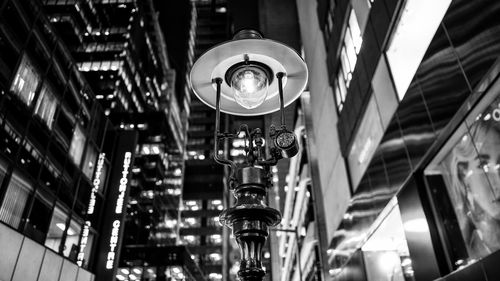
pixel 270 55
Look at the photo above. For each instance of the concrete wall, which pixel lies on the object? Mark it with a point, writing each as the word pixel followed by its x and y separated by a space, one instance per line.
pixel 22 259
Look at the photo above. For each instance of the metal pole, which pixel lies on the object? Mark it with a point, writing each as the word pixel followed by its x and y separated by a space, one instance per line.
pixel 280 76
pixel 218 159
pixel 298 252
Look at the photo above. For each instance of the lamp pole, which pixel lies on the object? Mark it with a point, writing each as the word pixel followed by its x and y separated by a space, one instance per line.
pixel 249 81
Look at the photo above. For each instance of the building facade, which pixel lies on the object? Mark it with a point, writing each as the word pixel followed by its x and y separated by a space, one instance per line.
pixel 204 189
pixel 403 129
pixel 55 139
pixel 121 49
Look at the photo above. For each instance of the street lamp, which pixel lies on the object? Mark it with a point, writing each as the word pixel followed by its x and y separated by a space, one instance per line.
pixel 251 76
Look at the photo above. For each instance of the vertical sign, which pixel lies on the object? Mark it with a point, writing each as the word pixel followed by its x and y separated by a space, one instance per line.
pixel 114 206
pixel 97 182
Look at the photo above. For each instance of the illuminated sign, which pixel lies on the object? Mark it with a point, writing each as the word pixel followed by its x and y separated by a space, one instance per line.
pixel 113 241
pixel 115 230
pixel 123 183
pixel 96 183
pixel 83 243
pixel 112 220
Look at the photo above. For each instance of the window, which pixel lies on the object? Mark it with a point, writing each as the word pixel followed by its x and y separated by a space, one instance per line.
pixel 77 145
pixel 213 221
pixel 72 238
pixel 191 222
pixel 192 205
pixel 90 161
pixel 15 200
pixel 3 171
pixel 465 182
pixel 86 243
pixel 215 239
pixel 365 143
pixel 56 228
pixel 215 205
pixel 214 258
pixel 348 57
pixel 46 105
pixel 190 240
pixel 386 252
pixel 411 38
pixel 26 81
pixel 38 221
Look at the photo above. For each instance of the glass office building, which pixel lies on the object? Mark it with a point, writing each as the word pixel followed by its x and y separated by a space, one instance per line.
pixel 55 139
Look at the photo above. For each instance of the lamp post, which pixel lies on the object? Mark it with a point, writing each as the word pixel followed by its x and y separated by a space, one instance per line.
pixel 251 76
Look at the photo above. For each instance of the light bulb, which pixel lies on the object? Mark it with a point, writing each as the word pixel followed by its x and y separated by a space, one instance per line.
pixel 250 86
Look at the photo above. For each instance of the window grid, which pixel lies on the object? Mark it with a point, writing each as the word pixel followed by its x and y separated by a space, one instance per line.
pixel 351 46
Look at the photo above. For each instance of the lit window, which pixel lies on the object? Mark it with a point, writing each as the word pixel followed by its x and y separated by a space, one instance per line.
pixel 348 57
pixel 215 204
pixel 56 228
pixel 191 240
pixel 215 239
pixel 174 273
pixel 411 38
pixel 26 81
pixel 213 221
pixel 192 205
pixel 77 145
pixel 215 257
pixel 15 200
pixel 46 105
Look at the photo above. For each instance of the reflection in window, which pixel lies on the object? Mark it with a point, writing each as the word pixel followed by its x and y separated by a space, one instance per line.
pixel 386 253
pixel 365 143
pixel 191 222
pixel 77 145
pixel 72 239
pixel 56 228
pixel 328 27
pixel 46 105
pixel 411 38
pixel 37 223
pixel 468 167
pixel 90 161
pixel 3 170
pixel 348 57
pixel 15 200
pixel 26 81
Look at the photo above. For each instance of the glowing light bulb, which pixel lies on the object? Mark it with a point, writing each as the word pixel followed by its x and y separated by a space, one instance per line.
pixel 250 87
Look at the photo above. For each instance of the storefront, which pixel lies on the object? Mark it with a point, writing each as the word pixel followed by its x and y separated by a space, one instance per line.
pixel 434 217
